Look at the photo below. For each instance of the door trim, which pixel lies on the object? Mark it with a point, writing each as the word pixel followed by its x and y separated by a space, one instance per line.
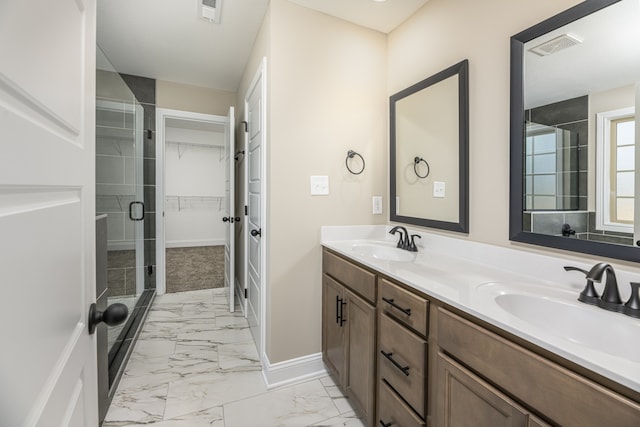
pixel 162 114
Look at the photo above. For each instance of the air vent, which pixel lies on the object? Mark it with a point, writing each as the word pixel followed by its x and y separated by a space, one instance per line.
pixel 556 44
pixel 210 10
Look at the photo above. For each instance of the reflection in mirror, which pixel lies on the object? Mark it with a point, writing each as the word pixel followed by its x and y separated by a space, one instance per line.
pixel 429 151
pixel 575 84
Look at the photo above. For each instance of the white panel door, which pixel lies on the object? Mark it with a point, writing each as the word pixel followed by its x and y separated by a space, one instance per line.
pixel 254 265
pixel 229 192
pixel 47 212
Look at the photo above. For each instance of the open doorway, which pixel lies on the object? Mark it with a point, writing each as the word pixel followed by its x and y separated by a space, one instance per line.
pixel 192 196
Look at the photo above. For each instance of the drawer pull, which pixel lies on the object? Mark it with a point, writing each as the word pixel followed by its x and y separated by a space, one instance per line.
pixel 391 302
pixel 383 424
pixel 404 369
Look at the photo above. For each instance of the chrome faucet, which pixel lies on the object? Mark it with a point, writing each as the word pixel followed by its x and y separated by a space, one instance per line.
pixel 403 241
pixel 610 299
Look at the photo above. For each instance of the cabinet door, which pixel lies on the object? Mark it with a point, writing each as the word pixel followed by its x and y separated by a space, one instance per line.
pixel 467 401
pixel 333 328
pixel 361 347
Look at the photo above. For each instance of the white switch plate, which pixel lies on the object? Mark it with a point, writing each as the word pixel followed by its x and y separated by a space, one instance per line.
pixel 377 205
pixel 319 185
pixel 438 189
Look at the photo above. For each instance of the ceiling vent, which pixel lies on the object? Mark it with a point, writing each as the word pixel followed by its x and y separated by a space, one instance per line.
pixel 556 44
pixel 210 10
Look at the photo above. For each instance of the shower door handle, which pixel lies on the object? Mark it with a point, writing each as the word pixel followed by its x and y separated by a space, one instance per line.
pixel 131 215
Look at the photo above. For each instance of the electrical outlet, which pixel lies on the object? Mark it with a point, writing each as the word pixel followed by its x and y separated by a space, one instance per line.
pixel 438 189
pixel 377 205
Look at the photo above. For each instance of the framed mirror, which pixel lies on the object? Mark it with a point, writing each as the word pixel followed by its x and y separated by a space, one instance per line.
pixel 575 82
pixel 429 125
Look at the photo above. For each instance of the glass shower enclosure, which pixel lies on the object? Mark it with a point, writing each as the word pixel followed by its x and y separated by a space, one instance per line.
pixel 120 197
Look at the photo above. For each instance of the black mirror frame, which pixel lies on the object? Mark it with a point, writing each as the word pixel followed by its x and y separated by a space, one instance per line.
pixel 462 70
pixel 516 205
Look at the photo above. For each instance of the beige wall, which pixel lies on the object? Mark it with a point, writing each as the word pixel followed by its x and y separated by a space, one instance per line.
pixel 178 96
pixel 443 33
pixel 326 95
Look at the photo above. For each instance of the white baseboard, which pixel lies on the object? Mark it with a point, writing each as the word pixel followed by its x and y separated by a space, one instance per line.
pixel 193 243
pixel 293 371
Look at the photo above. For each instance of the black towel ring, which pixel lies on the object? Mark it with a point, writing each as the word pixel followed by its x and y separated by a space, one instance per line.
pixel 350 155
pixel 416 162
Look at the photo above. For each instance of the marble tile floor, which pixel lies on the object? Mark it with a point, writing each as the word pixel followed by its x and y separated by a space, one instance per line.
pixel 195 365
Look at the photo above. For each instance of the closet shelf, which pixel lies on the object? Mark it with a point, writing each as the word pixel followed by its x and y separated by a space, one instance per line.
pixel 184 145
pixel 182 200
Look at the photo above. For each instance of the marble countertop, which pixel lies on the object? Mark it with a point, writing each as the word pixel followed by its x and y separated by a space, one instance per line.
pixel 470 275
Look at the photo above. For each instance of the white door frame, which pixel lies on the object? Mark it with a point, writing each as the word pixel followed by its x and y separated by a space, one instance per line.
pixel 162 114
pixel 260 76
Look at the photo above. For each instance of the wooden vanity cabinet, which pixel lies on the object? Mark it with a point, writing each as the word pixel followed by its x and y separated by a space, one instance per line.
pixel 405 360
pixel 349 331
pixel 486 373
pixel 402 355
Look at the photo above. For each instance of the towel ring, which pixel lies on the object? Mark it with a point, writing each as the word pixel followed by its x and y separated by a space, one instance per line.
pixel 350 155
pixel 416 162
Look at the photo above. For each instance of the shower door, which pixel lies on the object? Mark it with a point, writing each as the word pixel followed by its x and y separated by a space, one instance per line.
pixel 120 195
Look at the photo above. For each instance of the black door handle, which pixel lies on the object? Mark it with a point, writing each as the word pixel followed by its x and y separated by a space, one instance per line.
pixel 255 233
pixel 131 217
pixel 114 315
pixel 231 219
pixel 225 219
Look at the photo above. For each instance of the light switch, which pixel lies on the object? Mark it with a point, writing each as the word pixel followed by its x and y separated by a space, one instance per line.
pixel 438 189
pixel 377 205
pixel 319 185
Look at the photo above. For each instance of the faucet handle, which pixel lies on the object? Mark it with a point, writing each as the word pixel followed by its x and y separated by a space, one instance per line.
pixel 589 295
pixel 632 307
pixel 412 245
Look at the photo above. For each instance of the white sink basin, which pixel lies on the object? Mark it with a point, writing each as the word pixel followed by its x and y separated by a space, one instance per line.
pixel 383 252
pixel 562 316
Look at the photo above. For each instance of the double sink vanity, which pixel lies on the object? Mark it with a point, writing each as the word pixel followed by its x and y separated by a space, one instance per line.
pixel 445 331
pixel 466 334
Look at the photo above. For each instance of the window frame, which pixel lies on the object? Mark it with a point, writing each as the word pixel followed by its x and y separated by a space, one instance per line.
pixel 604 159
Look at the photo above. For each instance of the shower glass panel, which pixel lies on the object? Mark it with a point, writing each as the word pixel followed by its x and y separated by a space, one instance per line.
pixel 120 191
pixel 552 169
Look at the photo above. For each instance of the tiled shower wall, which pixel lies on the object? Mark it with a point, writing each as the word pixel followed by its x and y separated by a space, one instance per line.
pixel 571 115
pixel 572 170
pixel 145 91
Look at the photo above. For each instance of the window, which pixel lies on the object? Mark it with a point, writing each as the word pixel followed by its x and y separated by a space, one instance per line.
pixel 616 170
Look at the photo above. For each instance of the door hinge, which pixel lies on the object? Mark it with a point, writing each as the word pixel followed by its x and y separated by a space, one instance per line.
pixel 246 210
pixel 149 134
pixel 246 294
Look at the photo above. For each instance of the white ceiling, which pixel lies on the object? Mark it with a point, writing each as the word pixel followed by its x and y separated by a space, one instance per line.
pixel 383 16
pixel 167 40
pixel 606 59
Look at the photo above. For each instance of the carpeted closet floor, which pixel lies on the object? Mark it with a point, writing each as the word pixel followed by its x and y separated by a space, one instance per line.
pixel 195 268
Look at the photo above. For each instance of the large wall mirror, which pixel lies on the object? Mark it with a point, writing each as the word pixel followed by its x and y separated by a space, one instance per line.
pixel 575 84
pixel 429 151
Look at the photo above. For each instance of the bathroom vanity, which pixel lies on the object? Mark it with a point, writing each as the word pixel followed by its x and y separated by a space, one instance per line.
pixel 420 340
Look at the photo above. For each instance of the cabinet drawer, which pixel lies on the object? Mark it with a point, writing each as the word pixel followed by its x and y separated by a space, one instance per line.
pixel 392 411
pixel 550 389
pixel 408 308
pixel 360 280
pixel 402 362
